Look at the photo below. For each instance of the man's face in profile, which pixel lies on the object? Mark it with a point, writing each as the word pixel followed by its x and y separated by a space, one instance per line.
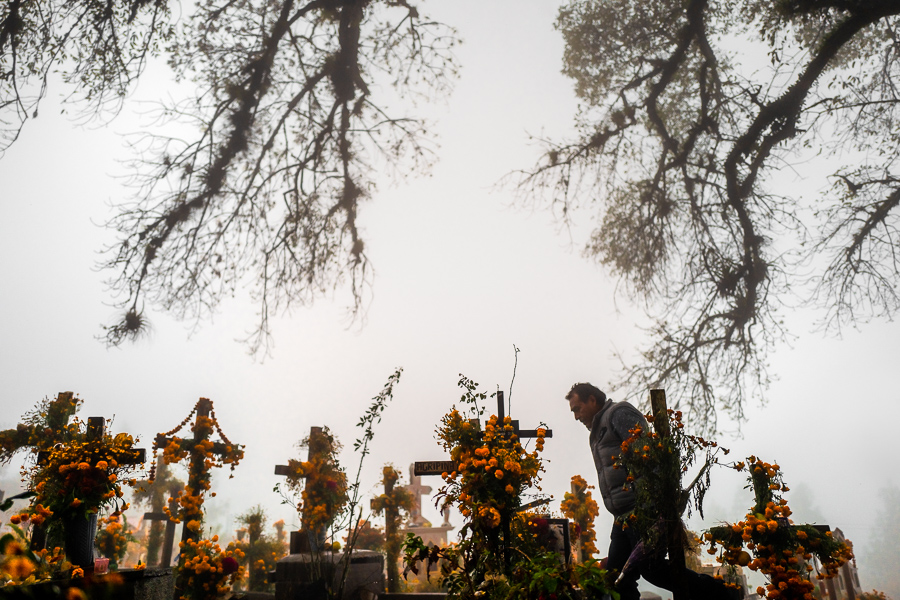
pixel 584 412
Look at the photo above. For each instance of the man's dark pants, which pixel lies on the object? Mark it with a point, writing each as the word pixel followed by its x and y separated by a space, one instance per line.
pixel 657 570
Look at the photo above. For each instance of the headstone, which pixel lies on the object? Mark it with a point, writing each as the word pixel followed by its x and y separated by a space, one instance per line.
pixel 298 576
pixel 311 566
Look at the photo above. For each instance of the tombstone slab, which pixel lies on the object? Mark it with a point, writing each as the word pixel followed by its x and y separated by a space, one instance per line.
pixel 297 574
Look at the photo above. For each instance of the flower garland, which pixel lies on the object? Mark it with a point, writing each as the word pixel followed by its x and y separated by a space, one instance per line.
pixel 194 579
pixel 582 509
pixel 780 549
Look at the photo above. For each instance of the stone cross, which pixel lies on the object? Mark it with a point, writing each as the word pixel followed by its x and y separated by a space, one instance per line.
pixel 300 540
pixel 416 490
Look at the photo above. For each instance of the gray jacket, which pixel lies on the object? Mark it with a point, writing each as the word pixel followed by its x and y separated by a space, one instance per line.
pixel 608 430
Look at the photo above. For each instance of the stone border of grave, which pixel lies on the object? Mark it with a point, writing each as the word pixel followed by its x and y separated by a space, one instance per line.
pixel 151 583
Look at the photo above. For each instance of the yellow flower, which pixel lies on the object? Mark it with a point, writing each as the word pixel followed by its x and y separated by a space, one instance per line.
pixel 498 474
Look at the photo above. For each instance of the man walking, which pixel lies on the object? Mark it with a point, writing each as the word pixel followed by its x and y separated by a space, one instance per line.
pixel 610 424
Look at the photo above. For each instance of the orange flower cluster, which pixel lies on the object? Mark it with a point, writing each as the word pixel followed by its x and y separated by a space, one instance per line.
pixel 493 467
pixel 81 476
pixel 210 572
pixel 321 482
pixel 582 509
pixel 204 456
pixel 780 549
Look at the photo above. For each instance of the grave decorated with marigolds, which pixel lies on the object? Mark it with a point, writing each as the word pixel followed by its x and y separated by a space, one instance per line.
pixel 204 570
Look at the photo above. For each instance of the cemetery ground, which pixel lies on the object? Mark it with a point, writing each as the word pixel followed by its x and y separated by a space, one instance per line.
pixel 104 518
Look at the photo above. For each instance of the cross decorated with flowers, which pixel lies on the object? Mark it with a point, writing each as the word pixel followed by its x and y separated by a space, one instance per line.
pixel 322 486
pixel 203 453
pixel 44 427
pixel 390 503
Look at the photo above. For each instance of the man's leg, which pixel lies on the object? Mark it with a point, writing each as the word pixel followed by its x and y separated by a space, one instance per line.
pixel 660 572
pixel 620 546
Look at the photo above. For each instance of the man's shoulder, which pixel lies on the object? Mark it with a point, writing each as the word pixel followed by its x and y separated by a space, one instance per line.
pixel 624 416
pixel 623 406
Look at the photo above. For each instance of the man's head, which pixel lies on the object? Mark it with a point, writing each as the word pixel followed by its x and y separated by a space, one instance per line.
pixel 585 401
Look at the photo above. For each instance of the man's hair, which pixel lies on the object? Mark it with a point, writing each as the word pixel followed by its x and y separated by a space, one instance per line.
pixel 585 391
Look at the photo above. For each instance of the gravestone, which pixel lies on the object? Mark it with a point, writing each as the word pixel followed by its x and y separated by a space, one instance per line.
pixel 303 576
pixel 311 566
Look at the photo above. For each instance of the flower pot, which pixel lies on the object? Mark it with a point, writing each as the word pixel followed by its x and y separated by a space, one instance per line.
pixel 79 532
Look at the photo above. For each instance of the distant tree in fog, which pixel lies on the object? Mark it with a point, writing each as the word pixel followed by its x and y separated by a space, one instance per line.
pixel 880 560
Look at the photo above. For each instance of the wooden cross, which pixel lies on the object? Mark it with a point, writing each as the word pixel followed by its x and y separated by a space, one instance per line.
pixel 439 467
pixel 96 427
pixel 165 559
pixel 58 411
pixel 197 468
pixel 674 532
pixel 300 540
pixel 390 503
pixel 156 491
